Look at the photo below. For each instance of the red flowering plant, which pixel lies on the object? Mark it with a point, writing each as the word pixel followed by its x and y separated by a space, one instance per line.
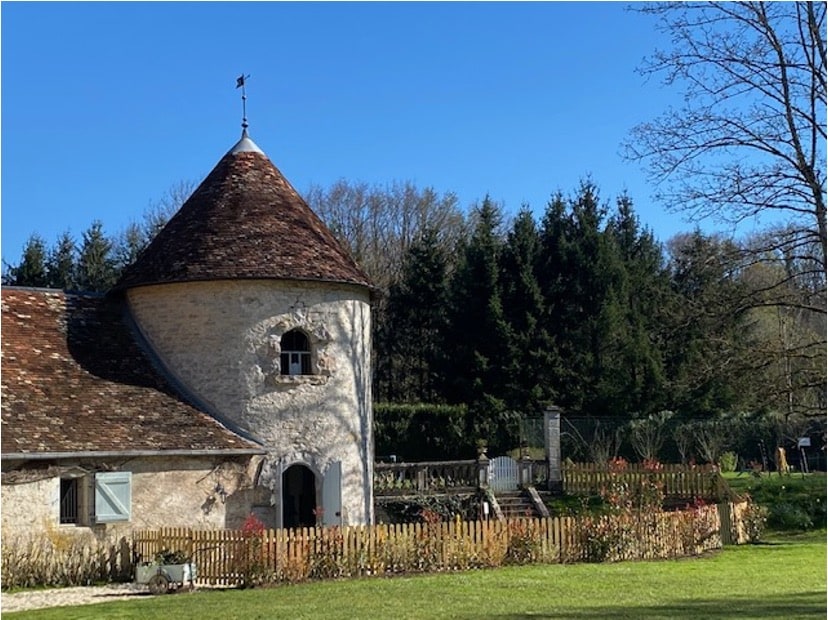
pixel 252 526
pixel 617 464
pixel 632 504
pixel 652 465
pixel 700 526
pixel 248 561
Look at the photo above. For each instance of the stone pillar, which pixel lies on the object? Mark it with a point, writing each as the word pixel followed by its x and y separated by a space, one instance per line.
pixel 552 437
pixel 525 469
pixel 482 468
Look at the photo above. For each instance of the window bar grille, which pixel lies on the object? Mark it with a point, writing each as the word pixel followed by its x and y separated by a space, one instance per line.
pixel 69 501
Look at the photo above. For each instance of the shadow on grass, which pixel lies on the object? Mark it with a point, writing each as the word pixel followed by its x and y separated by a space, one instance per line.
pixel 781 606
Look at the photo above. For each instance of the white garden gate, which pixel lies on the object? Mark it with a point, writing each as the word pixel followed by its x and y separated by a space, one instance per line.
pixel 503 474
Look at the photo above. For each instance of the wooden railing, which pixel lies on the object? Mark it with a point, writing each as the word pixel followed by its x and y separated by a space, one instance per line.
pixel 230 557
pixel 677 481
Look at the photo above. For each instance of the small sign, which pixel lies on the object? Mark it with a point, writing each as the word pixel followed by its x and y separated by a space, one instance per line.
pixel 804 442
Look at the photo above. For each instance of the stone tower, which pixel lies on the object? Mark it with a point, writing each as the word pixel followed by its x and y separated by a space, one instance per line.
pixel 261 318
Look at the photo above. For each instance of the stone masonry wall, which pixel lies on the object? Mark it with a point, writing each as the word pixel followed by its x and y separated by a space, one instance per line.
pixel 166 492
pixel 221 341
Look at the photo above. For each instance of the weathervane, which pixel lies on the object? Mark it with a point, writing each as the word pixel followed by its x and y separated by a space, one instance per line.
pixel 240 84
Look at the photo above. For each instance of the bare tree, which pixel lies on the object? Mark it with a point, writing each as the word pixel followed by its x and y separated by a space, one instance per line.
pixel 605 444
pixel 715 435
pixel 378 224
pixel 159 211
pixel 647 435
pixel 684 436
pixel 132 240
pixel 750 139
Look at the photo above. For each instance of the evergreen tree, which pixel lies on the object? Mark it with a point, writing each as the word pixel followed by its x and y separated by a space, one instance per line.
pixel 96 266
pixel 576 281
pixel 707 327
pixel 598 273
pixel 480 343
pixel 641 292
pixel 417 322
pixel 129 245
pixel 587 293
pixel 532 352
pixel 61 264
pixel 31 271
pixel 557 286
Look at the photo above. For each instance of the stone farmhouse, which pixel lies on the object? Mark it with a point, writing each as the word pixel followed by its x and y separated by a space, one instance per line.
pixel 226 373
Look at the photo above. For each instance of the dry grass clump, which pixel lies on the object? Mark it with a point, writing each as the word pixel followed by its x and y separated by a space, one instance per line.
pixel 57 558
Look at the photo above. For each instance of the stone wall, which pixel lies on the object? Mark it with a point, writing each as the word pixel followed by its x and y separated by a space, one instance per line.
pixel 202 492
pixel 220 340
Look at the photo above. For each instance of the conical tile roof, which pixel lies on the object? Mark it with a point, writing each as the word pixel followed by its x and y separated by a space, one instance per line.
pixel 245 221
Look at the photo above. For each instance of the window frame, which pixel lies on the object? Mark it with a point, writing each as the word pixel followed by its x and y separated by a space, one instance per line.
pixel 287 355
pixel 97 498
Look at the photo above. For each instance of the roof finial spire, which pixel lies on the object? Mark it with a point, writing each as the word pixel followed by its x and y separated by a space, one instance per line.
pixel 240 81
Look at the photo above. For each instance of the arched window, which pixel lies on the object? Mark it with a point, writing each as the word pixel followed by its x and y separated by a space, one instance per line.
pixel 296 357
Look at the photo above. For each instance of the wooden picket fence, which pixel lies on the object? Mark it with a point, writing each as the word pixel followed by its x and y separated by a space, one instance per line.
pixel 232 557
pixel 677 481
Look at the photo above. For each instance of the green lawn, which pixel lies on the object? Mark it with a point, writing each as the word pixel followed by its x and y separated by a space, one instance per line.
pixel 745 481
pixel 784 578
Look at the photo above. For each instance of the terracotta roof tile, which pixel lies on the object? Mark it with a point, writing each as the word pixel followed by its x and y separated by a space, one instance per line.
pixel 74 380
pixel 244 221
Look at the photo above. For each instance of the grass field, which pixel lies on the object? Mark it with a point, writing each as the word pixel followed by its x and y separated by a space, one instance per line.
pixel 783 578
pixel 744 481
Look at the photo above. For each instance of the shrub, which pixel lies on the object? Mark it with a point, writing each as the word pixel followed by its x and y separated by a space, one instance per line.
pixel 524 543
pixel 755 518
pixel 327 560
pixel 728 461
pixel 428 542
pixel 601 536
pixel 789 516
pixel 792 502
pixel 421 432
pixel 629 522
pixel 248 561
pixel 409 510
pixel 166 556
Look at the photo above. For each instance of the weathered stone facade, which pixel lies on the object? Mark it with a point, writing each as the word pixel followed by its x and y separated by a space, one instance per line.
pixel 220 339
pixel 197 492
pixel 166 397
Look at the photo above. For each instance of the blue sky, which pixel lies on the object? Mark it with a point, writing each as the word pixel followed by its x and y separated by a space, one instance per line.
pixel 105 106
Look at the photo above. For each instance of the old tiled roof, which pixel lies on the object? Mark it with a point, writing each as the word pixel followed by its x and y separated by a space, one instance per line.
pixel 244 221
pixel 75 381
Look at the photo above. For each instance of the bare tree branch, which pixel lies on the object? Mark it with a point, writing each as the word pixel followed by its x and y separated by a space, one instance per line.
pixel 749 142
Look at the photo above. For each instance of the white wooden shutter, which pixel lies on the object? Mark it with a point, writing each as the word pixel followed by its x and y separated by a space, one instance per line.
pixel 280 513
pixel 113 496
pixel 332 495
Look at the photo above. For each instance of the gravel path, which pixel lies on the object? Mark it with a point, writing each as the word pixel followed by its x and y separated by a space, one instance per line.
pixel 60 597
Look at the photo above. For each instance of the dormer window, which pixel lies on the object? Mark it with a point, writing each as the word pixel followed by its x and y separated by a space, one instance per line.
pixel 296 353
